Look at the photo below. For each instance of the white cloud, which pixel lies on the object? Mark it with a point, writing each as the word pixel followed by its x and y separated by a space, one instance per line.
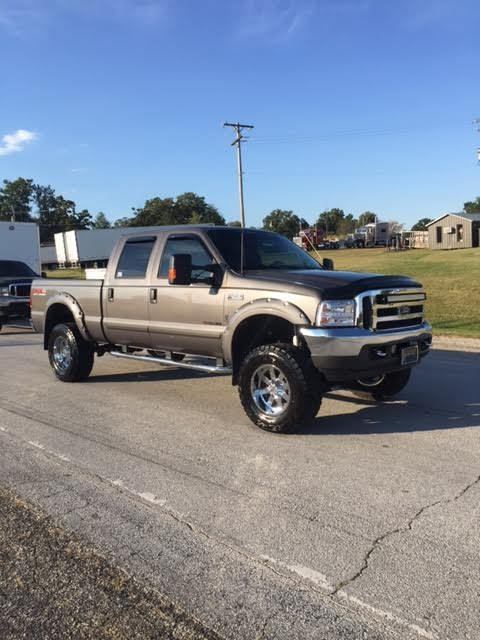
pixel 278 19
pixel 13 142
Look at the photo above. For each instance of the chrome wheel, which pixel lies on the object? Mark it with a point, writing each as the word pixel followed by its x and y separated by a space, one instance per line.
pixel 270 390
pixel 371 382
pixel 62 354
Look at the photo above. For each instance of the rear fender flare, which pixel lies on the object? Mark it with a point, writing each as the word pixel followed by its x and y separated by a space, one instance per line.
pixel 264 306
pixel 68 301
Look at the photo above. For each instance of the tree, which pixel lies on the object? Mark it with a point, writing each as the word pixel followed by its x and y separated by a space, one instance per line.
pixel 366 218
pixel 421 225
pixel 187 208
pixel 123 222
pixel 472 207
pixel 347 225
pixel 81 219
pixel 330 220
pixel 234 223
pixel 16 199
pixel 284 222
pixel 100 221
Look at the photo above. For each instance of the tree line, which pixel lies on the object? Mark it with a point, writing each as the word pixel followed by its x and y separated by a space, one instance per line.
pixel 28 201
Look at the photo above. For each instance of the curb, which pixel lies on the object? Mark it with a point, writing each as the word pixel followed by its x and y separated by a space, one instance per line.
pixel 455 343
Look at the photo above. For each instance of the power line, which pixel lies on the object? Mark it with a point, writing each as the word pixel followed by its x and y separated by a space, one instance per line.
pixel 238 143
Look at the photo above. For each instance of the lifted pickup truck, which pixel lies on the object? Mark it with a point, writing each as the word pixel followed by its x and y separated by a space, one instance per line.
pixel 15 281
pixel 245 302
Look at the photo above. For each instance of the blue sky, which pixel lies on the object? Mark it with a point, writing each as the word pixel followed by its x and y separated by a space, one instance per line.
pixel 359 104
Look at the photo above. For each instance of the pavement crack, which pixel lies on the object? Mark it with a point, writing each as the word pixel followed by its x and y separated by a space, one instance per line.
pixel 401 529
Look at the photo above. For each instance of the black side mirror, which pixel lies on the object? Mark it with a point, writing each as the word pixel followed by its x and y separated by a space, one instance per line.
pixel 327 264
pixel 44 274
pixel 180 269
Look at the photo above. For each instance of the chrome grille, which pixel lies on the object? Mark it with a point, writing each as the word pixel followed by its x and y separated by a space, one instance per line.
pixel 393 309
pixel 20 289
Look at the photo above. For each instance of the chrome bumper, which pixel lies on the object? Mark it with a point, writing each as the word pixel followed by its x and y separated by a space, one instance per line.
pixel 349 342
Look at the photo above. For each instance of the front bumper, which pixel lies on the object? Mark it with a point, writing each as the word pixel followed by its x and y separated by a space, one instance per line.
pixel 352 353
pixel 13 308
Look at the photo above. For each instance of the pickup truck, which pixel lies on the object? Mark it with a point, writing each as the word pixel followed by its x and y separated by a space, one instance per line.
pixel 15 281
pixel 244 302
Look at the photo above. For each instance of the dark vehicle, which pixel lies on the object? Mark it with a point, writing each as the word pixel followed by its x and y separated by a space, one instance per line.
pixel 15 283
pixel 253 304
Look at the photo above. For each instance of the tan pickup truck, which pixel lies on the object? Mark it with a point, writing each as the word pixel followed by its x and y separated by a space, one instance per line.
pixel 245 302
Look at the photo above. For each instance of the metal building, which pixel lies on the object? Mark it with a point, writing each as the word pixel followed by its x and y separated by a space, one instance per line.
pixel 454 231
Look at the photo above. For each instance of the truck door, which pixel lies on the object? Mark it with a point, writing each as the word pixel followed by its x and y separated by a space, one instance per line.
pixel 125 294
pixel 186 318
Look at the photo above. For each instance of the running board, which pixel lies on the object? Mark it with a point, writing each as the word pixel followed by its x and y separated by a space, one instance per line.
pixel 206 368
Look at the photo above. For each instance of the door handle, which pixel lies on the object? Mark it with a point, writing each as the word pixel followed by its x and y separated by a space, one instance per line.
pixel 153 296
pixel 110 294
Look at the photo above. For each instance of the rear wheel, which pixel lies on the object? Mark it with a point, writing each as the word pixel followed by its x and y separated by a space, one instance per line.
pixel 70 356
pixel 279 388
pixel 384 386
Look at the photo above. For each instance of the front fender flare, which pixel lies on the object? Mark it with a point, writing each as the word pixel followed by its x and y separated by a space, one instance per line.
pixel 263 306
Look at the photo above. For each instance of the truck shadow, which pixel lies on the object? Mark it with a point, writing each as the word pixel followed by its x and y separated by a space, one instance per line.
pixel 401 416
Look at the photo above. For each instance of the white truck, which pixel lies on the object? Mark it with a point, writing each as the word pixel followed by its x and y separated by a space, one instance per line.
pixel 20 241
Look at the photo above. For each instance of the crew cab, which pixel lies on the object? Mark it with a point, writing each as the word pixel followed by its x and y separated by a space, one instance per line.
pixel 15 281
pixel 244 302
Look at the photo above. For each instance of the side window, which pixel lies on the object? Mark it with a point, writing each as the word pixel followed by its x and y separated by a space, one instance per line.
pixel 134 259
pixel 186 244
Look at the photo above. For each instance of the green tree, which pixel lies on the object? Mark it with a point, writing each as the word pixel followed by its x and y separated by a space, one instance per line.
pixel 330 220
pixel 366 218
pixel 16 199
pixel 347 225
pixel 123 222
pixel 100 221
pixel 187 208
pixel 472 207
pixel 80 219
pixel 234 223
pixel 284 222
pixel 421 225
pixel 51 218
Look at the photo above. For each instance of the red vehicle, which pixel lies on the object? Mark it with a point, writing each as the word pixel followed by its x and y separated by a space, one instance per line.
pixel 312 237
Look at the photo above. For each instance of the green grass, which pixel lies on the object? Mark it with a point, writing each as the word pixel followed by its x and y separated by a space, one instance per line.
pixel 66 273
pixel 450 278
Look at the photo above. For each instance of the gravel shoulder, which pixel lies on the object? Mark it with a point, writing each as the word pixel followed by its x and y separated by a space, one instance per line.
pixel 52 585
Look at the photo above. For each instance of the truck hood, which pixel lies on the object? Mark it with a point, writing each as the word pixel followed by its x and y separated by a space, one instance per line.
pixel 5 280
pixel 334 284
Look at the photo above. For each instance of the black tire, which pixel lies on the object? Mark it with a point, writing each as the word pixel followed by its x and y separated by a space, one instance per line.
pixel 390 385
pixel 305 387
pixel 78 354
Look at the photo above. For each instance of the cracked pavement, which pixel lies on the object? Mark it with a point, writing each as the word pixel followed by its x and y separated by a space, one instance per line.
pixel 365 525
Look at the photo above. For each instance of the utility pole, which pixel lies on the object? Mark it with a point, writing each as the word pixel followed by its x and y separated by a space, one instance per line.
pixel 477 123
pixel 238 143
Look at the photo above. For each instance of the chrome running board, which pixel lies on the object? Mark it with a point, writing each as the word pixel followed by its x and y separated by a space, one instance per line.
pixel 195 366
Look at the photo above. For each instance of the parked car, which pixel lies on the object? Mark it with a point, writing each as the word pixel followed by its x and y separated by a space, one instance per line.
pixel 15 282
pixel 245 302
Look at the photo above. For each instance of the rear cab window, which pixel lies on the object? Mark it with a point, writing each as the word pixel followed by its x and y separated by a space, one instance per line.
pixel 134 259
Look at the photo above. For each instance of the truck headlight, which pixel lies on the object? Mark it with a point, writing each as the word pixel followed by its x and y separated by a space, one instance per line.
pixel 336 313
pixel 4 291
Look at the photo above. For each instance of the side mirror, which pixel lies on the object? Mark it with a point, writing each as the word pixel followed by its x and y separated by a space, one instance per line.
pixel 44 274
pixel 180 269
pixel 327 264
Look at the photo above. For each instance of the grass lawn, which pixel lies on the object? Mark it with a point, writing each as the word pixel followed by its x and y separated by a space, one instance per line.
pixel 451 280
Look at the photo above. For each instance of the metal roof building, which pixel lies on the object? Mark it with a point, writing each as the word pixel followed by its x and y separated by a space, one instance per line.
pixel 454 231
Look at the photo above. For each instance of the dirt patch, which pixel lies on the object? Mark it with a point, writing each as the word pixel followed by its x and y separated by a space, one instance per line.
pixel 52 585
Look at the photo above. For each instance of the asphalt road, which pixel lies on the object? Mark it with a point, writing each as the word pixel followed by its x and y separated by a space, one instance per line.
pixel 365 525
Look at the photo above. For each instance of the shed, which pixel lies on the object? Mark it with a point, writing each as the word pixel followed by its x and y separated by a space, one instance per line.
pixel 454 231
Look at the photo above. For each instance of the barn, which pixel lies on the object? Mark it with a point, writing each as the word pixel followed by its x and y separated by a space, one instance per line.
pixel 454 231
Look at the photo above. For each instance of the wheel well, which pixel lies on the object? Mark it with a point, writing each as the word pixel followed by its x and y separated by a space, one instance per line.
pixel 257 330
pixel 56 314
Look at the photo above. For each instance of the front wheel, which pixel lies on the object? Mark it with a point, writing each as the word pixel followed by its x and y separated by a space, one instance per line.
pixel 384 386
pixel 70 356
pixel 279 388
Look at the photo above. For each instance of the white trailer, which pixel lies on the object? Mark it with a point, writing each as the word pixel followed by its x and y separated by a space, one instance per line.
pixel 90 247
pixel 21 241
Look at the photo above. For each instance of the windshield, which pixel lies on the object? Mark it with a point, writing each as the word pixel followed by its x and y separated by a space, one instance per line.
pixel 15 269
pixel 263 250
